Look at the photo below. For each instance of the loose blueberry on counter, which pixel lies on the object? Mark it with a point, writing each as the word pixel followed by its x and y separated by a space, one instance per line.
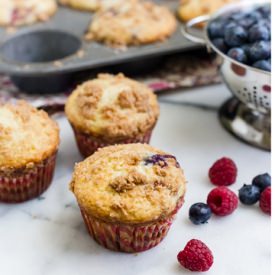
pixel 249 194
pixel 258 32
pixel 262 181
pixel 219 43
pixel 235 36
pixel 264 65
pixel 260 50
pixel 238 54
pixel 199 213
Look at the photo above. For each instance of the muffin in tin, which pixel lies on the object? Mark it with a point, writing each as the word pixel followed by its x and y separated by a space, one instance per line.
pixel 86 5
pixel 132 23
pixel 90 5
pixel 190 9
pixel 111 109
pixel 129 195
pixel 29 141
pixel 25 12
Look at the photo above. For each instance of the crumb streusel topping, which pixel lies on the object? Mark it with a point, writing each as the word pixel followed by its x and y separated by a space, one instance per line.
pixel 27 136
pixel 25 12
pixel 113 107
pixel 132 23
pixel 133 183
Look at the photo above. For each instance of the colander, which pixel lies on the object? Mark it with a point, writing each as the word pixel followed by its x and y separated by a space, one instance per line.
pixel 247 115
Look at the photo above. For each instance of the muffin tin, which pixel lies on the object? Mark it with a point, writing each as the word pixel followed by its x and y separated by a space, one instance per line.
pixel 47 53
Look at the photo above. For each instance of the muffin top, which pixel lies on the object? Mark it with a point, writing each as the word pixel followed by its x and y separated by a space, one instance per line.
pixel 132 23
pixel 24 12
pixel 27 135
pixel 113 107
pixel 132 183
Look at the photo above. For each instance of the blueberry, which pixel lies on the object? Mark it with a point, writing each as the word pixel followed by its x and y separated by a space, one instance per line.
pixel 258 32
pixel 262 65
pixel 229 24
pixel 238 54
pixel 246 22
pixel 199 213
pixel 260 50
pixel 235 36
pixel 246 48
pixel 236 16
pixel 216 29
pixel 219 43
pixel 249 194
pixel 264 10
pixel 256 15
pixel 262 181
pixel 266 23
pixel 160 160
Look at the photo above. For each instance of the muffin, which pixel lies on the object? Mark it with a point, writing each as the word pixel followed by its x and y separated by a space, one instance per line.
pixel 111 109
pixel 190 9
pixel 86 5
pixel 25 12
pixel 129 195
pixel 29 142
pixel 127 24
pixel 90 5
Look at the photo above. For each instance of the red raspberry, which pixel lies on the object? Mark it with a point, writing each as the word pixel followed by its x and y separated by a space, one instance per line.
pixel 196 256
pixel 265 201
pixel 223 172
pixel 222 201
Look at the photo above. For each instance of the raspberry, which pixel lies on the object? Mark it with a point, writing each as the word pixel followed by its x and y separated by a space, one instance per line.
pixel 222 201
pixel 196 256
pixel 223 172
pixel 265 201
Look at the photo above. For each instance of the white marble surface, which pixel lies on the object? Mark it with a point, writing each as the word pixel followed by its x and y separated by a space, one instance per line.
pixel 46 236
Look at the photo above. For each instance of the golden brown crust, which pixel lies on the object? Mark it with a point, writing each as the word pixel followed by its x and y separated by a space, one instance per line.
pixel 127 24
pixel 112 107
pixel 27 136
pixel 132 183
pixel 24 12
pixel 90 5
pixel 190 9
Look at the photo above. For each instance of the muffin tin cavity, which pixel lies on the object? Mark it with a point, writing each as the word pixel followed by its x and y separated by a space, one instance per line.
pixel 40 46
pixel 36 66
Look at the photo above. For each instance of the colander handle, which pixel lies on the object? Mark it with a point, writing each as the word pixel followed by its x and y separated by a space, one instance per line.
pixel 190 24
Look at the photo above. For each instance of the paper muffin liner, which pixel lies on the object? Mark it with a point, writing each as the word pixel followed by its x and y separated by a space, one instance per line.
pixel 24 184
pixel 88 144
pixel 130 238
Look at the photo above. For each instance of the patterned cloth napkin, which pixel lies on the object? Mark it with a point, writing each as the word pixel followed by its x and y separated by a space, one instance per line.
pixel 177 72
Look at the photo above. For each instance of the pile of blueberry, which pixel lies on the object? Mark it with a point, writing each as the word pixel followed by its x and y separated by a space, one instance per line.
pixel 245 36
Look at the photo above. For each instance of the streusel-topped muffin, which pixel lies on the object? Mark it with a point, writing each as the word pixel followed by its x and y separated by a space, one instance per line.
pixel 190 9
pixel 29 142
pixel 87 5
pixel 90 5
pixel 111 109
pixel 25 12
pixel 129 188
pixel 132 23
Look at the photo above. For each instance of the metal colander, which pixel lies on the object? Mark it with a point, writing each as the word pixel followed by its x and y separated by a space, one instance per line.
pixel 247 114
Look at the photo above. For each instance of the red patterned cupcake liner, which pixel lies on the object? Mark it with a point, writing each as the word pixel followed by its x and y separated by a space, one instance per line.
pixel 88 144
pixel 25 184
pixel 126 237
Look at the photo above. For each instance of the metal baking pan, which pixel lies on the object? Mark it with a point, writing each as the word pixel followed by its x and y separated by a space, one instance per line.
pixel 44 56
